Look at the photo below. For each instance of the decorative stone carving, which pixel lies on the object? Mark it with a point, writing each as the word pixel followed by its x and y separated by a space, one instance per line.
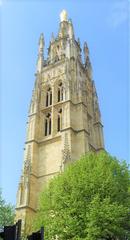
pixel 27 167
pixel 66 151
pixel 27 163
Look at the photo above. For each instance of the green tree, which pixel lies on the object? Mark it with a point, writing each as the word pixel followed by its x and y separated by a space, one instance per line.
pixel 90 200
pixel 6 212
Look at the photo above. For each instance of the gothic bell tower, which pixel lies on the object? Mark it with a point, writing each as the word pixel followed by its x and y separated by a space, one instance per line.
pixel 64 118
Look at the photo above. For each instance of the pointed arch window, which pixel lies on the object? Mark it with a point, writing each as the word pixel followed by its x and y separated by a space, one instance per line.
pixel 60 92
pixel 48 124
pixel 49 97
pixel 59 120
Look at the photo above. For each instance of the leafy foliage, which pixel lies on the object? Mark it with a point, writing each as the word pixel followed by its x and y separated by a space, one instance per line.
pixel 90 200
pixel 6 212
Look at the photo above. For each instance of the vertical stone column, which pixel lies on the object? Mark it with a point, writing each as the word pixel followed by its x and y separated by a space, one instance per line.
pixel 53 113
pixel 99 135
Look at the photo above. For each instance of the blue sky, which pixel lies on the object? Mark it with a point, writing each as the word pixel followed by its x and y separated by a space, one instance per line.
pixel 104 25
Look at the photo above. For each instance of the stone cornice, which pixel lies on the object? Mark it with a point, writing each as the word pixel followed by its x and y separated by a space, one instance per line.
pixel 32 114
pixel 61 103
pixel 44 175
pixel 49 174
pixel 75 131
pixel 46 139
pixel 100 149
pixel 96 123
pixel 26 207
pixel 46 109
pixel 50 138
pixel 31 141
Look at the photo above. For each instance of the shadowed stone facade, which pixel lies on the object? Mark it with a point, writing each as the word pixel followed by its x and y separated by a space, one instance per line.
pixel 64 119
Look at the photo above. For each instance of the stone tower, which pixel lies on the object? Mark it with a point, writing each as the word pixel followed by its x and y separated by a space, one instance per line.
pixel 64 119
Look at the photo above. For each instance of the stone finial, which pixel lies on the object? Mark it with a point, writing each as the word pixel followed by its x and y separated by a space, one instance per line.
pixel 86 50
pixel 52 37
pixel 86 56
pixel 71 30
pixel 40 53
pixel 41 43
pixel 63 15
pixel 78 40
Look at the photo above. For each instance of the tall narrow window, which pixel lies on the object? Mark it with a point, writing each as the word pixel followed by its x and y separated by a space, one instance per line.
pixel 60 92
pixel 58 123
pixel 45 127
pixel 49 97
pixel 49 130
pixel 59 120
pixel 48 124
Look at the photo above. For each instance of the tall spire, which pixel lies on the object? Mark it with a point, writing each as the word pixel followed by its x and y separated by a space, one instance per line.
pixel 40 53
pixel 50 144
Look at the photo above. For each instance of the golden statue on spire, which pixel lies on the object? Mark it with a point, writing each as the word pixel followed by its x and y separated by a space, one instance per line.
pixel 63 15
